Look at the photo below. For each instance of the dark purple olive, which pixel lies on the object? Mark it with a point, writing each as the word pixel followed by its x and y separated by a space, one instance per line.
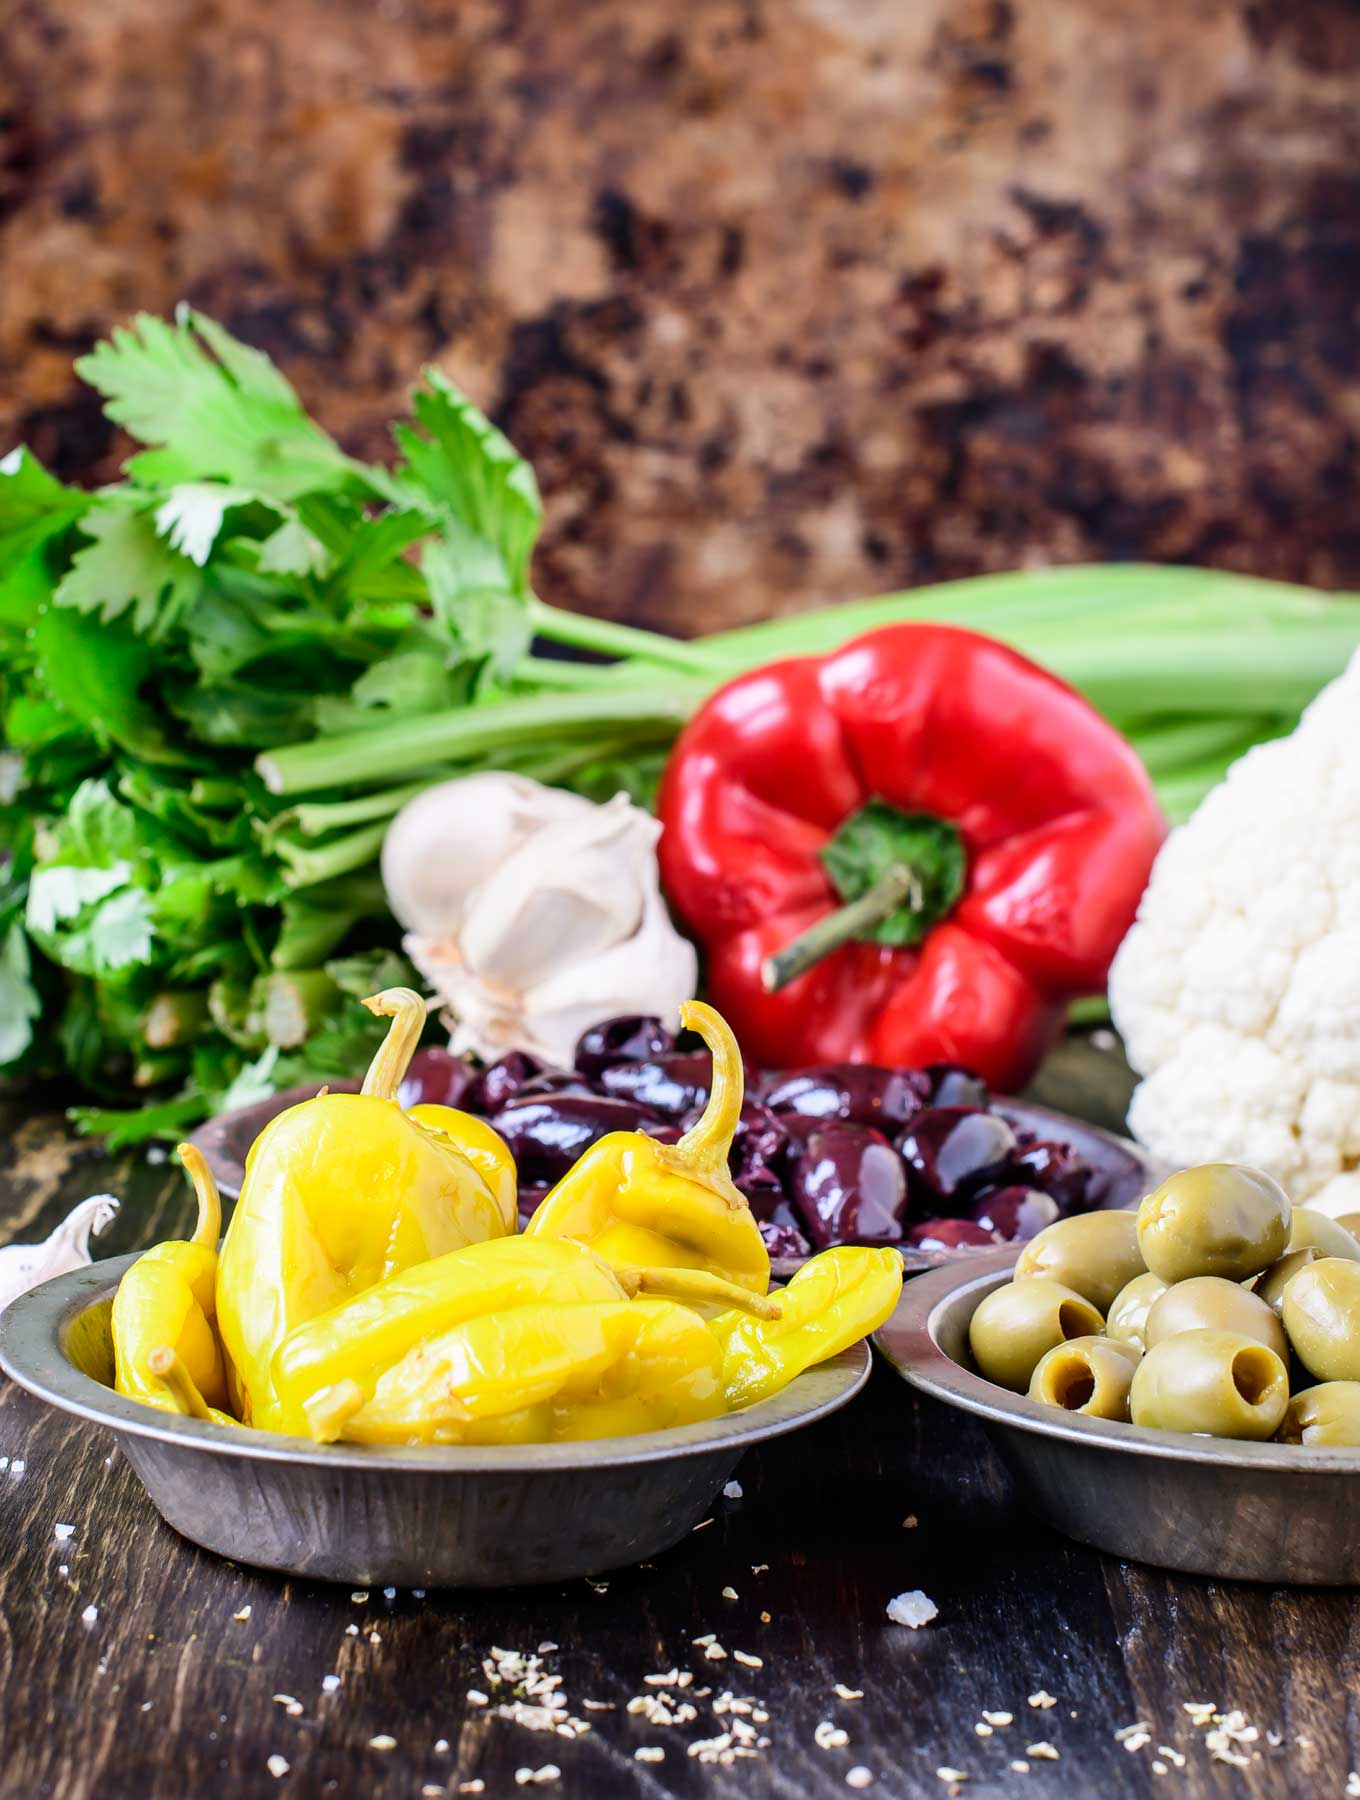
pixel 848 1186
pixel 530 1199
pixel 636 1037
pixel 1057 1170
pixel 545 1137
pixel 948 1234
pixel 760 1144
pixel 764 1192
pixel 953 1085
pixel 783 1237
pixel 672 1085
pixel 436 1078
pixel 661 1133
pixel 951 1151
pixel 500 1081
pixel 553 1081
pixel 1014 1212
pixel 854 1093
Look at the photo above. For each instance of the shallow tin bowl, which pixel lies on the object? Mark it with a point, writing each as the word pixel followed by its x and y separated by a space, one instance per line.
pixel 442 1516
pixel 1209 1506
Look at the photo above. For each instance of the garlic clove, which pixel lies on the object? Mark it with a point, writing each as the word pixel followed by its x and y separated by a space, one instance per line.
pixel 25 1266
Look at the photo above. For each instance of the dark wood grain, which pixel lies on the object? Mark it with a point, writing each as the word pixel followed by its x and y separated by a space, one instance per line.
pixel 166 1693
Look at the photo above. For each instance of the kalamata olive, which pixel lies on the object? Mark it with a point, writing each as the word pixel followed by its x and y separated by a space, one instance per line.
pixel 782 1235
pixel 635 1037
pixel 672 1085
pixel 500 1081
pixel 848 1186
pixel 529 1200
pixel 545 1137
pixel 948 1234
pixel 661 1132
pixel 953 1085
pixel 1055 1169
pixel 761 1143
pixel 1014 1212
pixel 553 1081
pixel 854 1093
pixel 952 1151
pixel 764 1192
pixel 436 1078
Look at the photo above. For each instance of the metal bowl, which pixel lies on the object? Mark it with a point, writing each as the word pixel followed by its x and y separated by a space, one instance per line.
pixel 1255 1512
pixel 1128 1171
pixel 422 1517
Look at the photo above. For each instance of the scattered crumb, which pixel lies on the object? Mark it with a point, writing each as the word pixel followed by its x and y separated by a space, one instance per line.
pixel 913 1609
pixel 375 1637
pixel 598 1705
pixel 945 1773
pixel 859 1776
pixel 715 1653
pixel 759 1568
pixel 1158 1767
pixel 830 1737
pixel 475 1786
pixel 709 1637
pixel 999 1718
pixel 910 1522
pixel 765 1618
pixel 1136 1740
pixel 277 1766
pixel 549 1772
pixel 732 1490
pixel 241 1616
pixel 649 1753
pixel 729 1593
pixel 475 1697
pixel 431 1790
pixel 702 1525
pixel 1352 1785
pixel 1042 1752
pixel 359 1596
pixel 62 1532
pixel 848 1693
pixel 389 1593
pixel 382 1742
pixel 351 1631
pixel 1041 1699
pixel 748 1661
pixel 547 1647
pixel 1200 1711
pixel 1020 1766
pixel 329 1683
pixel 441 1746
pixel 283 1700
pixel 1174 1757
pixel 90 1614
pixel 982 1729
pixel 18 1466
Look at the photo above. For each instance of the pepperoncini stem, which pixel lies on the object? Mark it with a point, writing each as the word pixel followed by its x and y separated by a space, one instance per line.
pixel 692 1286
pixel 168 1367
pixel 406 1010
pixel 209 1226
pixel 706 1144
pixel 331 1408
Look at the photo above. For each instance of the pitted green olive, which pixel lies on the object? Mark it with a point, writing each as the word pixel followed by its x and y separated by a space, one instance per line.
pixel 1215 1382
pixel 1321 1313
pixel 1095 1254
pixel 1018 1324
pixel 1209 1303
pixel 1270 1286
pixel 1311 1230
pixel 1126 1321
pixel 1326 1414
pixel 1088 1375
pixel 1218 1219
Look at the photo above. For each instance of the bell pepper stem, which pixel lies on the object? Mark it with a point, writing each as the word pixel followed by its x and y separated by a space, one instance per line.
pixel 209 1226
pixel 691 1286
pixel 706 1144
pixel 406 1010
pixel 897 885
pixel 168 1368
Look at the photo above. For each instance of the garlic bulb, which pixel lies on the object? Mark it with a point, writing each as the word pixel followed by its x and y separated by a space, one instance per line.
pixel 25 1266
pixel 533 913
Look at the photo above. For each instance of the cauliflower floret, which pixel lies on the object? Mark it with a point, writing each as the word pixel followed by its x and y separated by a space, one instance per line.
pixel 1237 991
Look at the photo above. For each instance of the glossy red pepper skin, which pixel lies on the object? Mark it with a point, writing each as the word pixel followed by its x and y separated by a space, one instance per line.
pixel 1057 815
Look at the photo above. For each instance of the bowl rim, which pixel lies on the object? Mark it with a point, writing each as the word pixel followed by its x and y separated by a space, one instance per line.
pixel 909 1341
pixel 32 1328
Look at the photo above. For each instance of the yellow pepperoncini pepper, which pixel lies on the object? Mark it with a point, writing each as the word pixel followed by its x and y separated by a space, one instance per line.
pixel 340 1192
pixel 330 1366
pixel 832 1302
pixel 165 1346
pixel 644 1204
pixel 545 1372
pixel 484 1148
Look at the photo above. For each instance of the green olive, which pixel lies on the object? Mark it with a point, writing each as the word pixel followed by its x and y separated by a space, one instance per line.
pixel 1216 1382
pixel 1095 1254
pixel 1019 1323
pixel 1270 1286
pixel 1126 1320
pixel 1088 1375
pixel 1327 1414
pixel 1321 1313
pixel 1219 1219
pixel 1209 1303
pixel 1311 1230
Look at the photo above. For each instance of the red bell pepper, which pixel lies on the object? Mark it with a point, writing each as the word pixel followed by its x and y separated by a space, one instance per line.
pixel 948 839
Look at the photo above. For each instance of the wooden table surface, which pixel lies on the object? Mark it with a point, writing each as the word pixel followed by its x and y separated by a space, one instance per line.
pixel 171 1692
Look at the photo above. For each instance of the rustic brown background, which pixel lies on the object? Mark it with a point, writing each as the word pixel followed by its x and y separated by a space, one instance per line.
pixel 787 301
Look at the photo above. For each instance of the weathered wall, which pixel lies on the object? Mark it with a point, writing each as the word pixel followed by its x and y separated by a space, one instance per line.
pixel 787 302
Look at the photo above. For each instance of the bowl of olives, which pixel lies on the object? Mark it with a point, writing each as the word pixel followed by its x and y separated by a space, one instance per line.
pixel 1177 1383
pixel 924 1159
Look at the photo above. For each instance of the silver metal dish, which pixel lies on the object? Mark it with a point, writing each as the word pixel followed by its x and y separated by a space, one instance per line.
pixel 1128 1171
pixel 1255 1512
pixel 426 1517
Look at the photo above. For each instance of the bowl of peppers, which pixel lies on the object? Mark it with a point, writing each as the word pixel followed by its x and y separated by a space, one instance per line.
pixel 378 1376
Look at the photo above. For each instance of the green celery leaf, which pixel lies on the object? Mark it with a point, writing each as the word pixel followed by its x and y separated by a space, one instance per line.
pixel 254 1082
pixel 59 893
pixel 292 550
pixel 34 507
pixel 19 1001
pixel 127 567
pixel 113 934
pixel 25 588
pixel 238 714
pixel 213 407
pixel 121 1128
pixel 406 684
pixel 370 971
pixel 97 674
pixel 487 620
pixel 191 515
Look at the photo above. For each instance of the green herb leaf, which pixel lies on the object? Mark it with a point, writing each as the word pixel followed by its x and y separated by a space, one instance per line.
pixel 20 1004
pixel 191 516
pixel 34 507
pixel 126 567
pixel 879 837
pixel 97 675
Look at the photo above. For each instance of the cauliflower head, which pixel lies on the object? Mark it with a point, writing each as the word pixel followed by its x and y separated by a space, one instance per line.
pixel 1237 991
